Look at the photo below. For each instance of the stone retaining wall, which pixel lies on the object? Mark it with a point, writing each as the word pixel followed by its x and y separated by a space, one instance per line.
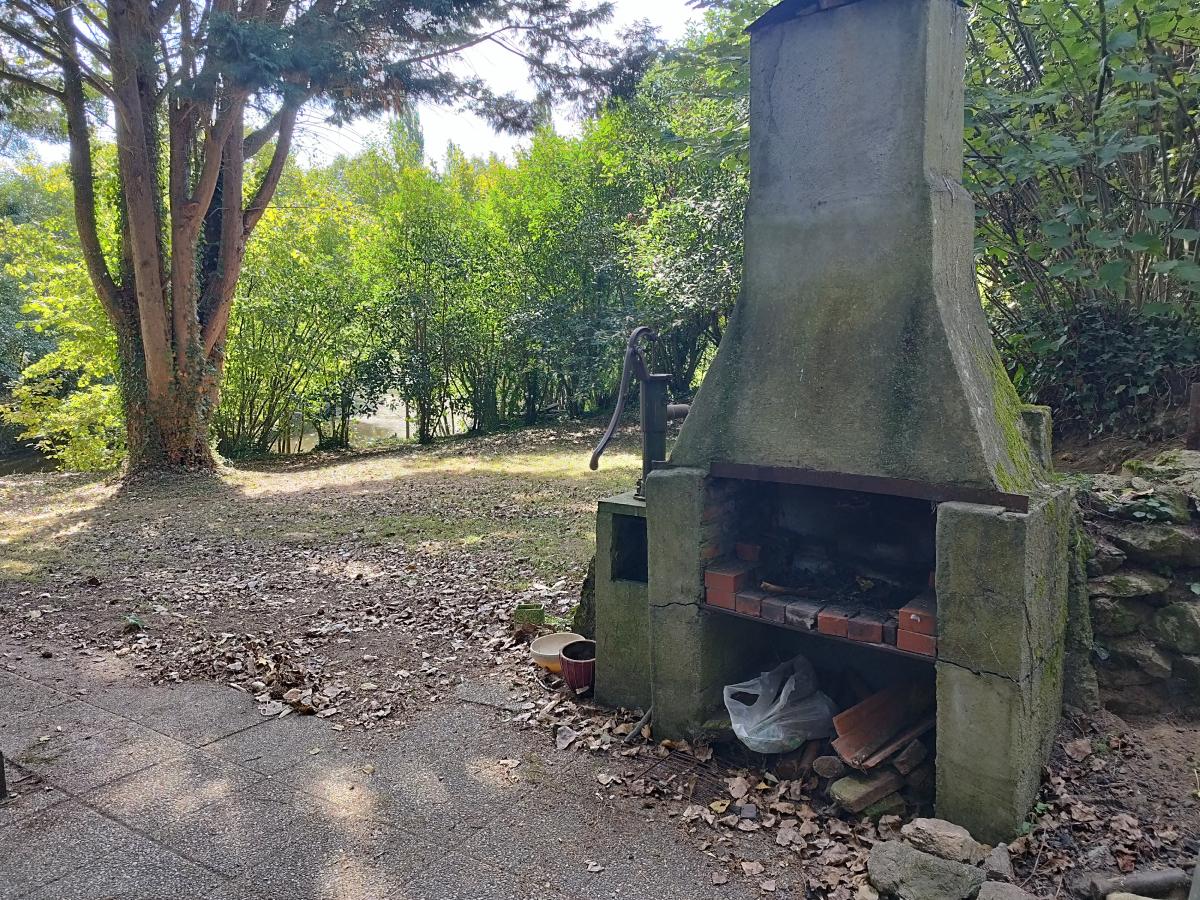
pixel 1143 567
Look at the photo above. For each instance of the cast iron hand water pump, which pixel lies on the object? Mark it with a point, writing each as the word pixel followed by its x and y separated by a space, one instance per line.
pixel 656 411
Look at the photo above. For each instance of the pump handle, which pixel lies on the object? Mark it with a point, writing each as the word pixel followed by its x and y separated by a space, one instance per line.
pixel 634 366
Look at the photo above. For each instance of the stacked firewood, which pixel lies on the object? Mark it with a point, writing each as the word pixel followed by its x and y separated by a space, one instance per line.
pixel 881 761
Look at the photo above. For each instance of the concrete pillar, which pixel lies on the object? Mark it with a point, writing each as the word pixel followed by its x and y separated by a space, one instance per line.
pixel 693 653
pixel 1002 601
pixel 622 611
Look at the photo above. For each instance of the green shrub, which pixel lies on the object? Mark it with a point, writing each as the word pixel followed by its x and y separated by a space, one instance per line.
pixel 1105 368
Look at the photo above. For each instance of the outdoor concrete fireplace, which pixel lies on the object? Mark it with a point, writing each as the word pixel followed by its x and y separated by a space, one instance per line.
pixel 856 435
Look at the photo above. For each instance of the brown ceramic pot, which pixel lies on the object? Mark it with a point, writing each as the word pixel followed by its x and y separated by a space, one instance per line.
pixel 578 661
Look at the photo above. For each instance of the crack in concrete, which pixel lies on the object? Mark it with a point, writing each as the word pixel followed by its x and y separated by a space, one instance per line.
pixel 674 603
pixel 974 671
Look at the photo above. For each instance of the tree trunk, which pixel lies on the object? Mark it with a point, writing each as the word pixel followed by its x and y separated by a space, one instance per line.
pixel 170 434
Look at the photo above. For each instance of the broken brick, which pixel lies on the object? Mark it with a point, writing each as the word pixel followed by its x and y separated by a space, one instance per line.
pixel 747 552
pixel 924 644
pixel 731 577
pixel 910 757
pixel 890 627
pixel 749 603
pixel 854 793
pixel 802 613
pixel 866 627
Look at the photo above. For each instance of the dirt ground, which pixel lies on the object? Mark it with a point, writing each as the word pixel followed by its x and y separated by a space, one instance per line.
pixel 364 588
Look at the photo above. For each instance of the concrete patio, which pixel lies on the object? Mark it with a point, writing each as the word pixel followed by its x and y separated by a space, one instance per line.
pixel 127 791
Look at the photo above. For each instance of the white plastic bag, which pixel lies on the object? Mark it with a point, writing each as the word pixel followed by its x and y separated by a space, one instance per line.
pixel 781 709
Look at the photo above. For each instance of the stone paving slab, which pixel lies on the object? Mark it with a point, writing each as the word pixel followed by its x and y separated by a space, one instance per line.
pixel 460 877
pixel 558 840
pixel 28 794
pixel 311 865
pixel 193 713
pixel 173 789
pixel 142 798
pixel 41 848
pixel 273 744
pixel 77 746
pixel 143 871
pixel 23 695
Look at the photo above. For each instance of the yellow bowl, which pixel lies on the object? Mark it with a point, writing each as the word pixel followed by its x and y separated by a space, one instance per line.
pixel 545 649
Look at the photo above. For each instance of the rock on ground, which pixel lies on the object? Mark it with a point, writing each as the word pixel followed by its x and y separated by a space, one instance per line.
pixel 997 865
pixel 994 890
pixel 944 839
pixel 1158 544
pixel 902 871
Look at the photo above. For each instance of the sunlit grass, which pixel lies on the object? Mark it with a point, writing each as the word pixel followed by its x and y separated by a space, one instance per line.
pixel 531 501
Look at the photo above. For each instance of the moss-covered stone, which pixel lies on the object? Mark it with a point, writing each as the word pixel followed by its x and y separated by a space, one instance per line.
pixel 1177 628
pixel 1080 688
pixel 1157 544
pixel 1104 557
pixel 1127 584
pixel 1016 471
pixel 1187 670
pixel 1136 650
pixel 1143 501
pixel 1113 618
pixel 1168 464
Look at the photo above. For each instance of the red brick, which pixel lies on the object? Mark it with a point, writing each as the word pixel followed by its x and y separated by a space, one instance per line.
pixel 920 616
pixel 833 620
pixel 731 577
pixel 925 644
pixel 710 550
pixel 716 511
pixel 750 553
pixel 749 603
pixel 719 598
pixel 865 627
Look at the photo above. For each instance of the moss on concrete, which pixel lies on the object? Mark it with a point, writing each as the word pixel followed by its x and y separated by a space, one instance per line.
pixel 1016 471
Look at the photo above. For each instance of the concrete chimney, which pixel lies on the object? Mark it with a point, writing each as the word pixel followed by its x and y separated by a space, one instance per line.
pixel 859 344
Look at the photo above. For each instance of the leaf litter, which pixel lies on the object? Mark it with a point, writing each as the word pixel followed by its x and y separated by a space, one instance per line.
pixel 309 589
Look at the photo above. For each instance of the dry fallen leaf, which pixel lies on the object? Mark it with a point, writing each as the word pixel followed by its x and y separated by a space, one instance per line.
pixel 720 878
pixel 738 787
pixel 1078 750
pixel 753 867
pixel 565 737
pixel 768 885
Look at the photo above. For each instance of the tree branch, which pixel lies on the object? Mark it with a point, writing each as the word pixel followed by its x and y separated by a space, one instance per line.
pixel 82 180
pixel 270 180
pixel 215 140
pixel 218 293
pixel 13 77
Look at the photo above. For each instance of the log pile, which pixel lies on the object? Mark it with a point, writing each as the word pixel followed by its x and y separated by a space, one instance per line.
pixel 883 751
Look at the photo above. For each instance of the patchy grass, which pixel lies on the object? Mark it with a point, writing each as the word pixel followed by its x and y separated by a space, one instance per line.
pixel 529 493
pixel 468 497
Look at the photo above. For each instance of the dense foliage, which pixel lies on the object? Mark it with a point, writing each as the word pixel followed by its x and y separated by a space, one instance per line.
pixel 1083 156
pixel 482 292
pixel 202 100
